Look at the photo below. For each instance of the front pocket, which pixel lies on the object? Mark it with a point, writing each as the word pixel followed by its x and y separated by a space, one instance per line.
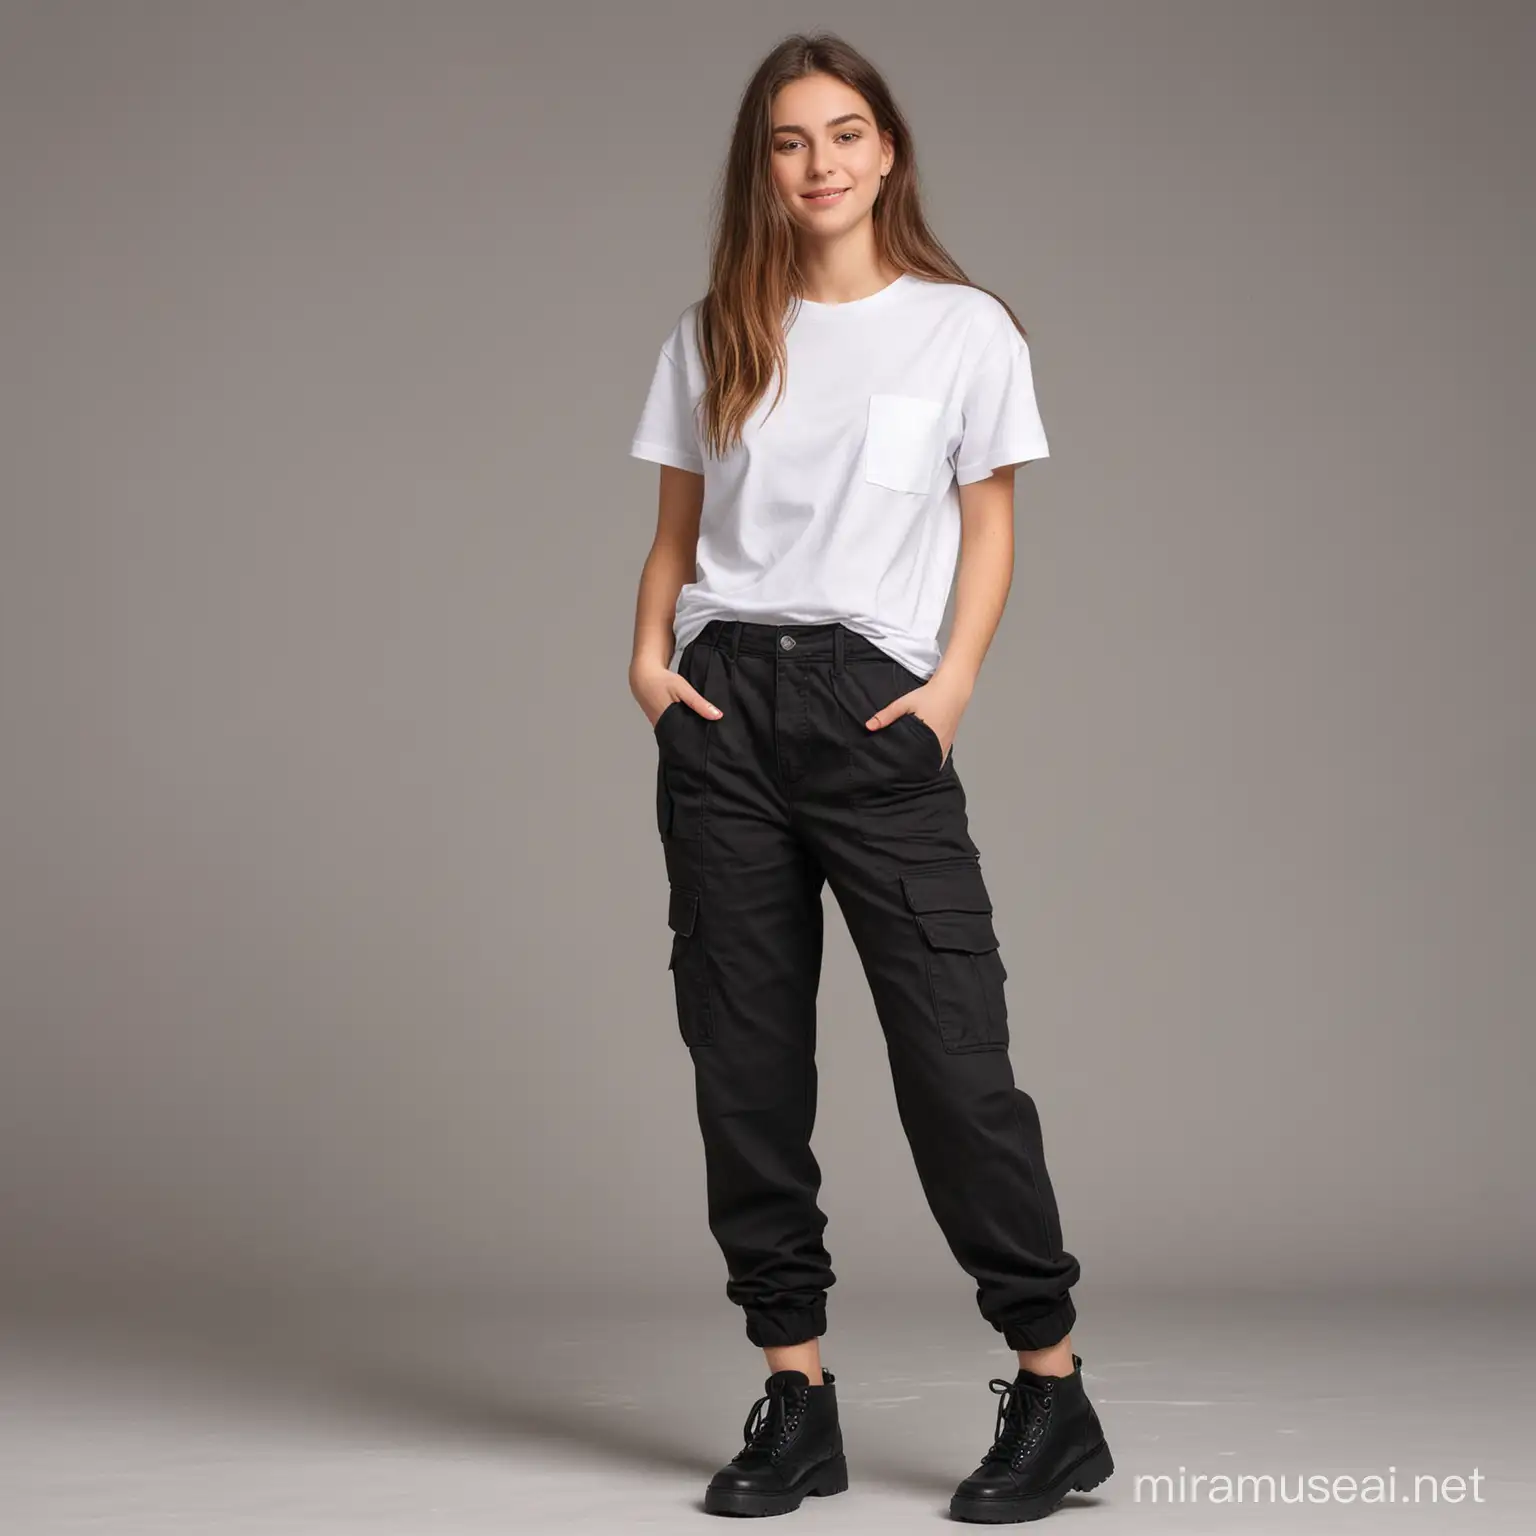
pixel 663 801
pixel 662 719
pixel 953 914
pixel 929 736
pixel 682 748
pixel 902 441
pixel 690 968
pixel 903 682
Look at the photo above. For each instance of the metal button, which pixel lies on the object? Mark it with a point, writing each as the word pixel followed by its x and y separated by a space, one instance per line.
pixel 786 642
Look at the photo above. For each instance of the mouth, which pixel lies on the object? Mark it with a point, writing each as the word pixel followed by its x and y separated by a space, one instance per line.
pixel 829 195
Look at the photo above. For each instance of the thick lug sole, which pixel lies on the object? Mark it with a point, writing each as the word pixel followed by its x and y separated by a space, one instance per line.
pixel 825 1477
pixel 1087 1473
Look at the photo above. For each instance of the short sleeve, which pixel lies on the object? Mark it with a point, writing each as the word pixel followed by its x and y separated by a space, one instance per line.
pixel 667 432
pixel 1001 418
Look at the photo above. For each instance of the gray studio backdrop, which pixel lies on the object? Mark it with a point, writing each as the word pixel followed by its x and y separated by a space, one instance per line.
pixel 332 910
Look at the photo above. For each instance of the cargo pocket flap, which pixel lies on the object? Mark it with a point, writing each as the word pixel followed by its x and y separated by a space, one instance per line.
pixel 952 906
pixel 952 888
pixel 682 909
pixel 969 931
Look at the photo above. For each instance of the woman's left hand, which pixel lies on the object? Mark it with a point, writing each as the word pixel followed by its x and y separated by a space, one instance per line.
pixel 938 704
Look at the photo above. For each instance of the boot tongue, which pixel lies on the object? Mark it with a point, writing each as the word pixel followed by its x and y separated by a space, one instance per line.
pixel 1040 1381
pixel 784 1393
pixel 1033 1380
pixel 787 1378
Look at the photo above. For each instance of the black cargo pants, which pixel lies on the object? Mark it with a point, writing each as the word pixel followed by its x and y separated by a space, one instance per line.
pixel 786 790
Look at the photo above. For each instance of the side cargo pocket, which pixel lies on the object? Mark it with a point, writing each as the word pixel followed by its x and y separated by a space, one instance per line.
pixel 953 913
pixel 690 968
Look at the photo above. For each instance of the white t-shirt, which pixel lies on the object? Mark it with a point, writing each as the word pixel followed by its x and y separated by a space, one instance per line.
pixel 842 502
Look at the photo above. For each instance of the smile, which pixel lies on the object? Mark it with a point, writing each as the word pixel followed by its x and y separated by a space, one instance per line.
pixel 833 196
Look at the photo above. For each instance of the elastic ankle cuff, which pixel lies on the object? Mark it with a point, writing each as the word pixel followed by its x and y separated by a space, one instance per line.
pixel 1041 1330
pixel 781 1326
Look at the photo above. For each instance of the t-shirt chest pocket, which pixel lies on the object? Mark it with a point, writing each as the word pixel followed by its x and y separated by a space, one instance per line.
pixel 904 441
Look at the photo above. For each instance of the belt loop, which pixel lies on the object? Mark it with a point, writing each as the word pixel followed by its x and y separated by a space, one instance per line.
pixel 837 651
pixel 735 640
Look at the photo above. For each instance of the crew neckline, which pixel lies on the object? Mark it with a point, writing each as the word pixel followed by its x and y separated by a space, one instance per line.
pixel 901 280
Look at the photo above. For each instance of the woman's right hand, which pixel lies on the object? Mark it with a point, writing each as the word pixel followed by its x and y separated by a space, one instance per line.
pixel 657 687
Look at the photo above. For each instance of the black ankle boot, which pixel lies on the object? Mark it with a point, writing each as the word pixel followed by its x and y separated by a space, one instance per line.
pixel 1047 1442
pixel 792 1449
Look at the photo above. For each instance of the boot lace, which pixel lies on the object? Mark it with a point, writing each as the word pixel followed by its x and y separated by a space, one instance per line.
pixel 772 1420
pixel 1023 1410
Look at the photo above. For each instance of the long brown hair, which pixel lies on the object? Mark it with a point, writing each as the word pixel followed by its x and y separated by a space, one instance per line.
pixel 754 276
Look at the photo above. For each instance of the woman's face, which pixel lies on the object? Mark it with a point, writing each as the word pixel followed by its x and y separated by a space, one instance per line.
pixel 824 141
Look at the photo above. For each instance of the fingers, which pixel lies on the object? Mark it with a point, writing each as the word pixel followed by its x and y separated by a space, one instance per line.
pixel 696 700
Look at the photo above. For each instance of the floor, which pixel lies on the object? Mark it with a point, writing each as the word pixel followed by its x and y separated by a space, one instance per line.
pixel 234 1417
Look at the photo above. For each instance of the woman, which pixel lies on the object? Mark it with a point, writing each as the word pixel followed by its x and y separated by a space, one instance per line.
pixel 829 419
